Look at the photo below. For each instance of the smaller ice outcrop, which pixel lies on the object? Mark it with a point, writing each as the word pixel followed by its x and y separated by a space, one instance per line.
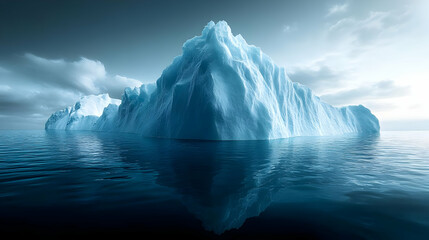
pixel 84 114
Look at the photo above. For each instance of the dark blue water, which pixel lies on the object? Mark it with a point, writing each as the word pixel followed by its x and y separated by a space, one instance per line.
pixel 74 184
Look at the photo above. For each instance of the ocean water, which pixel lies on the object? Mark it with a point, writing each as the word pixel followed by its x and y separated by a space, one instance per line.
pixel 76 184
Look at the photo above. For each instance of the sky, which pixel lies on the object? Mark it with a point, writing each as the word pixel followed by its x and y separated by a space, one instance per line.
pixel 349 52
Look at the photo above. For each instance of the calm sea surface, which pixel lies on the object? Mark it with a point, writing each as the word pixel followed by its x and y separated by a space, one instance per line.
pixel 73 184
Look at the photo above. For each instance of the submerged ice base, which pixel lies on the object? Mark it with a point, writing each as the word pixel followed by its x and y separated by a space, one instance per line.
pixel 221 88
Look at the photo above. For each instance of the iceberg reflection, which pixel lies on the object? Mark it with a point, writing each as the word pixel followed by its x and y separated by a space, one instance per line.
pixel 225 183
pixel 222 183
pixel 221 192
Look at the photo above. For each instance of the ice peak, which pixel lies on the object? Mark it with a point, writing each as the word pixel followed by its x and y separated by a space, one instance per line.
pixel 208 27
pixel 217 32
pixel 219 28
pixel 216 39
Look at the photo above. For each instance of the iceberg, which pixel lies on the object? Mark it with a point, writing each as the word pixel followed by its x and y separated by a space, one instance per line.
pixel 84 114
pixel 222 88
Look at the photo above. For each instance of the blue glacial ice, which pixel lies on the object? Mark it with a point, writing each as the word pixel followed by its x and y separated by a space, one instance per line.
pixel 222 88
pixel 84 114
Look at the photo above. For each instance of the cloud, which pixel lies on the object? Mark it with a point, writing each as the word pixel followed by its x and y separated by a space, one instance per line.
pixel 289 28
pixel 286 28
pixel 317 77
pixel 115 85
pixel 352 39
pixel 354 43
pixel 380 90
pixel 37 86
pixel 377 28
pixel 4 88
pixel 21 107
pixel 84 76
pixel 338 8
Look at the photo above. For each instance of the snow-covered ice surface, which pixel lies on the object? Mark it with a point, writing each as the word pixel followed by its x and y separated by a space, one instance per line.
pixel 221 88
pixel 83 115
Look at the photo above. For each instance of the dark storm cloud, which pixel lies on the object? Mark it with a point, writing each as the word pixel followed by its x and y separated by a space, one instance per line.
pixel 27 102
pixel 380 90
pixel 37 87
pixel 30 109
pixel 83 76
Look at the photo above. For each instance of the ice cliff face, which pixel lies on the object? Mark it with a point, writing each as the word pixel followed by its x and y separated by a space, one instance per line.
pixel 83 115
pixel 221 88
